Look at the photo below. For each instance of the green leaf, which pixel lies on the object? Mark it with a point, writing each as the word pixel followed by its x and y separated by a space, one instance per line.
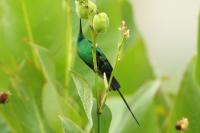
pixel 198 55
pixel 186 103
pixel 51 106
pixel 3 126
pixel 101 124
pixel 11 32
pixel 24 109
pixel 141 103
pixel 85 94
pixel 69 126
pixel 25 100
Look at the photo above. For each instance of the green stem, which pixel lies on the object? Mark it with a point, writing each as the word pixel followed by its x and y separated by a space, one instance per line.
pixel 95 84
pixel 95 61
pixel 98 122
pixel 29 32
pixel 69 52
pixel 94 52
pixel 117 60
pixel 114 67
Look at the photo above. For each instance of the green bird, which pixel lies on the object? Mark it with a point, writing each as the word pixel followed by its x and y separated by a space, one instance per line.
pixel 84 49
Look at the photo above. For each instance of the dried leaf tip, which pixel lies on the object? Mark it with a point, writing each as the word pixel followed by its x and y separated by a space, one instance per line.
pixel 182 124
pixel 124 29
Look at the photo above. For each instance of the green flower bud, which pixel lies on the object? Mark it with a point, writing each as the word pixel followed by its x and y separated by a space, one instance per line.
pixel 92 8
pixel 82 10
pixel 100 22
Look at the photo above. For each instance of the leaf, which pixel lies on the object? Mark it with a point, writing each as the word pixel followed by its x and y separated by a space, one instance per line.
pixel 198 55
pixel 101 124
pixel 11 32
pixel 51 106
pixel 186 103
pixel 85 94
pixel 25 100
pixel 141 103
pixel 49 32
pixel 24 109
pixel 3 126
pixel 69 126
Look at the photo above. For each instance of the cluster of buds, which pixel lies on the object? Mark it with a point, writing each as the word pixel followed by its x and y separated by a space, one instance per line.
pixel 86 9
pixel 124 29
pixel 182 124
pixel 83 1
pixel 4 97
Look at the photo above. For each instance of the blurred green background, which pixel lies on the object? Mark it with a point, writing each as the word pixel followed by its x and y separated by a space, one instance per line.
pixel 38 53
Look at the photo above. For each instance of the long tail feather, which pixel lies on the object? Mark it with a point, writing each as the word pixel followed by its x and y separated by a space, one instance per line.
pixel 128 106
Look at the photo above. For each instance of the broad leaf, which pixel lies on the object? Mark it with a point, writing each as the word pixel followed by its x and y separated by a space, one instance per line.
pixel 141 103
pixel 186 103
pixel 101 123
pixel 85 94
pixel 51 106
pixel 69 126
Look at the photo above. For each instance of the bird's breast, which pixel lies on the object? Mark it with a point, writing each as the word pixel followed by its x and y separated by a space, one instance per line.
pixel 85 53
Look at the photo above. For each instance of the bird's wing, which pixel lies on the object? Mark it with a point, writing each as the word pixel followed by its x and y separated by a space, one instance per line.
pixel 105 67
pixel 103 64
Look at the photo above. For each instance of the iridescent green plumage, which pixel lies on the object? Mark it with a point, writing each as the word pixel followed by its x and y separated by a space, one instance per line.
pixel 84 48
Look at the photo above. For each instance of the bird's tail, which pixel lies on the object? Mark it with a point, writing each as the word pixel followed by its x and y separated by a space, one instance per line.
pixel 121 95
pixel 115 84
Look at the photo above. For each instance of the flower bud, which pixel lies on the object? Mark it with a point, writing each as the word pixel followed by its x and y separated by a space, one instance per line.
pixel 92 8
pixel 82 10
pixel 100 22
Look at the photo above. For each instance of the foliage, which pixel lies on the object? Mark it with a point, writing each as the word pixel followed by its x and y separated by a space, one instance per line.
pixel 38 59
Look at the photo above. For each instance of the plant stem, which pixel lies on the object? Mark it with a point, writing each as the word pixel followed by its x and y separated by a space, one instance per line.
pixel 98 122
pixel 95 62
pixel 114 67
pixel 117 60
pixel 95 84
pixel 29 32
pixel 94 53
pixel 69 54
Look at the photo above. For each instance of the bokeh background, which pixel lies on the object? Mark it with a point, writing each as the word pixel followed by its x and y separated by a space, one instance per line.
pixel 169 28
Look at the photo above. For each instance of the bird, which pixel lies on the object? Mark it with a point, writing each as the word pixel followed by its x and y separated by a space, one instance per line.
pixel 84 50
